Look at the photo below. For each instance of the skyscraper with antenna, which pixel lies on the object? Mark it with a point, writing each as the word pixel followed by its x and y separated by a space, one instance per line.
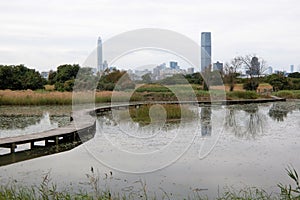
pixel 99 55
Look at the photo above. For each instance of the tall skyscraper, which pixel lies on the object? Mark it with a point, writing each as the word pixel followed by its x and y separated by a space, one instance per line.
pixel 99 55
pixel 205 50
pixel 292 69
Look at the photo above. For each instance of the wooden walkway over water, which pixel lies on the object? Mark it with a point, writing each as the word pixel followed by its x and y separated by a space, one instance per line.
pixel 83 127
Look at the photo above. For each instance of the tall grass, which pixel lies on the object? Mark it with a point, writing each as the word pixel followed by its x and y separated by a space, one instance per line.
pixel 29 97
pixel 48 190
pixel 43 97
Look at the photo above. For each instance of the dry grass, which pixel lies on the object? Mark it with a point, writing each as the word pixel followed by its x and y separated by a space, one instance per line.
pixel 239 87
pixel 42 97
pixel 49 87
pixel 29 97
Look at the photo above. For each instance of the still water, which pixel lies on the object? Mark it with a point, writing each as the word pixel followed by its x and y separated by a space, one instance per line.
pixel 219 146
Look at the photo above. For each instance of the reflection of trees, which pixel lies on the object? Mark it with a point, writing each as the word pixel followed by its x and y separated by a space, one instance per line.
pixel 205 120
pixel 13 122
pixel 18 121
pixel 279 111
pixel 253 121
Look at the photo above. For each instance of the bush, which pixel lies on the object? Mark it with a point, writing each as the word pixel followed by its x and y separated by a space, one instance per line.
pixel 288 94
pixel 242 95
pixel 250 85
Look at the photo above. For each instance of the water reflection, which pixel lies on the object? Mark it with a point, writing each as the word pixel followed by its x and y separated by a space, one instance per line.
pixel 245 121
pixel 205 119
pixel 14 125
pixel 279 111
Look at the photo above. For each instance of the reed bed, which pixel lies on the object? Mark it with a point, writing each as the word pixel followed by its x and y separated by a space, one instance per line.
pixel 42 97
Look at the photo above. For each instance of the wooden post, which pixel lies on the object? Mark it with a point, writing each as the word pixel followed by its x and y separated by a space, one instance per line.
pixel 13 148
pixel 31 144
pixel 56 140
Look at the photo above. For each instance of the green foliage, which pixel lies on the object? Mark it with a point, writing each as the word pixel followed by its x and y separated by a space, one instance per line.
pixel 288 94
pixel 146 78
pixel 153 88
pixel 174 80
pixel 19 77
pixel 64 77
pixel 251 84
pixel 289 192
pixel 115 80
pixel 278 81
pixel 294 75
pixel 194 78
pixel 242 95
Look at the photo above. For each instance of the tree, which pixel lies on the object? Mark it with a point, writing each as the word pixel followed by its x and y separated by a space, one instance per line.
pixel 146 78
pixel 294 75
pixel 194 78
pixel 19 77
pixel 278 81
pixel 115 80
pixel 254 68
pixel 63 74
pixel 230 72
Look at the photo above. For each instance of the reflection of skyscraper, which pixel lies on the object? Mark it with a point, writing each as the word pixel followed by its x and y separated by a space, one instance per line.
pixel 99 55
pixel 205 120
pixel 205 50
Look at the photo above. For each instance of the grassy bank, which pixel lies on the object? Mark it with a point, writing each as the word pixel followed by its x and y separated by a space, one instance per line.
pixel 288 94
pixel 158 113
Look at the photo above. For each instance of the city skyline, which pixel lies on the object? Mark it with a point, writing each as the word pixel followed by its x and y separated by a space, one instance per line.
pixel 43 35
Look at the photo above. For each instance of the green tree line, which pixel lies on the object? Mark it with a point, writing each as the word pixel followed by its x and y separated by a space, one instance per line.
pixel 19 77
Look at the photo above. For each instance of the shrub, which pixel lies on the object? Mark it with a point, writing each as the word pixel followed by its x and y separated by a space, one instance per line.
pixel 242 95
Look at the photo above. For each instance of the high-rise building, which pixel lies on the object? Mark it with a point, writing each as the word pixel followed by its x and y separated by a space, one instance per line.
pixel 292 68
pixel 269 70
pixel 218 66
pixel 173 65
pixel 105 65
pixel 205 50
pixel 99 55
pixel 190 70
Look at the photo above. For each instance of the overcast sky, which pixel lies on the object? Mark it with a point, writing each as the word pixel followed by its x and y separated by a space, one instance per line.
pixel 44 34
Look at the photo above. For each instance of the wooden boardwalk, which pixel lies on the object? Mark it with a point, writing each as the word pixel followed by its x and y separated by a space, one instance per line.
pixel 83 127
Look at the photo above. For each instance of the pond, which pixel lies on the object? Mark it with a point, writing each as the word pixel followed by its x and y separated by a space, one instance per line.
pixel 210 148
pixel 22 120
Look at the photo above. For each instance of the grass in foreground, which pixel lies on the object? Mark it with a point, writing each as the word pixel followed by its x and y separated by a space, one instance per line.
pixel 47 190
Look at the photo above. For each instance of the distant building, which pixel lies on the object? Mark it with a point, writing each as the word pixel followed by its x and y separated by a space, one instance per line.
pixel 190 70
pixel 218 66
pixel 255 67
pixel 269 70
pixel 174 65
pixel 205 50
pixel 105 65
pixel 99 55
pixel 45 75
pixel 292 68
